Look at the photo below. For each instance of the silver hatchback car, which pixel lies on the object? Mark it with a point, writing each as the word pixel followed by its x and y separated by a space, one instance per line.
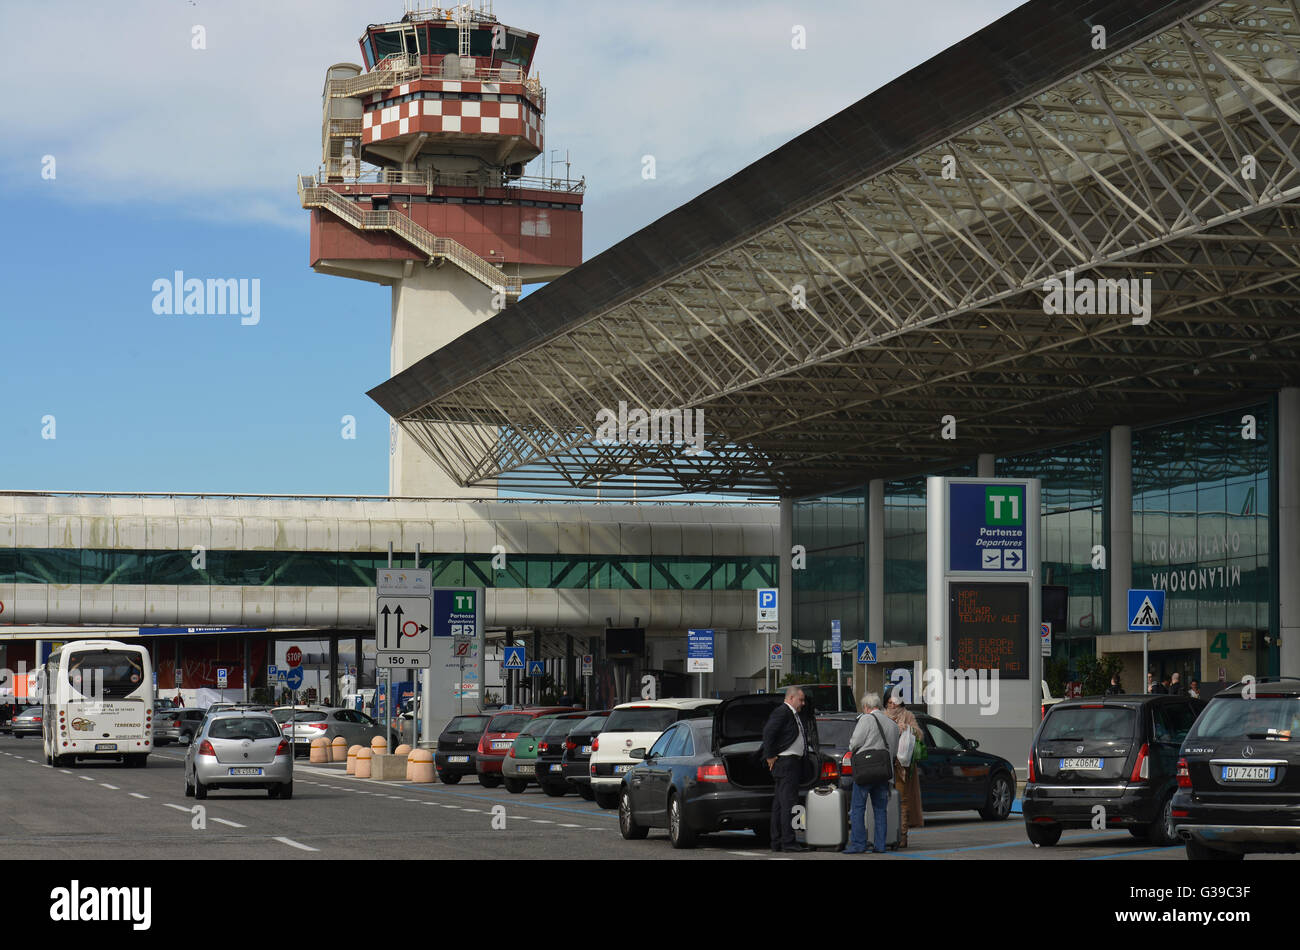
pixel 239 749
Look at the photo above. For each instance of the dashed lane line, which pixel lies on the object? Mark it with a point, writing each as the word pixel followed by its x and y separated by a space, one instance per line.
pixel 85 778
pixel 223 821
pixel 295 844
pixel 113 787
pixel 137 795
pixel 177 807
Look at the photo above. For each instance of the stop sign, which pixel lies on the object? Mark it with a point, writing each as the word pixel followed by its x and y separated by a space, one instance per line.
pixel 293 657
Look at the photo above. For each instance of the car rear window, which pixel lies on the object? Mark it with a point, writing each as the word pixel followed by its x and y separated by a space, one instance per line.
pixel 592 724
pixel 538 727
pixel 465 724
pixel 250 727
pixel 835 732
pixel 640 719
pixel 1264 717
pixel 508 722
pixel 1095 723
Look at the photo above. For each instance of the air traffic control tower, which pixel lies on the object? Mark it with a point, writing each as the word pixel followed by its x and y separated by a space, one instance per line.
pixel 422 188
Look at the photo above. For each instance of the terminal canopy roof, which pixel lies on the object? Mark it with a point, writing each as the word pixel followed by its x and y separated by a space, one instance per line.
pixel 830 306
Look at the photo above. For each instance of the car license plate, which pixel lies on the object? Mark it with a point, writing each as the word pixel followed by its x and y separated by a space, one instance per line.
pixel 1248 773
pixel 457 758
pixel 502 745
pixel 557 768
pixel 525 770
pixel 621 768
pixel 245 771
pixel 586 750
pixel 1082 765
pixel 105 746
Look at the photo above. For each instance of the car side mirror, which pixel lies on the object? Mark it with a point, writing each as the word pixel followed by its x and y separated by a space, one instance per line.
pixel 638 753
pixel 972 744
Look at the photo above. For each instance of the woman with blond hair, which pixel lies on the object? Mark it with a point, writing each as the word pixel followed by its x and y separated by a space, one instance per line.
pixel 907 778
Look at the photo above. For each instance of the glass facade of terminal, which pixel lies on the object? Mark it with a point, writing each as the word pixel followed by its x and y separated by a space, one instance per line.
pixel 1201 532
pixel 327 569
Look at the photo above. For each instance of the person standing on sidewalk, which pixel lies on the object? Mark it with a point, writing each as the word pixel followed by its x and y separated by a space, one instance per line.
pixel 907 778
pixel 784 742
pixel 873 731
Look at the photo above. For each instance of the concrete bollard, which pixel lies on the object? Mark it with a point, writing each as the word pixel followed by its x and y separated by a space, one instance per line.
pixel 419 766
pixel 402 749
pixel 320 750
pixel 379 745
pixel 339 750
pixel 352 759
pixel 363 763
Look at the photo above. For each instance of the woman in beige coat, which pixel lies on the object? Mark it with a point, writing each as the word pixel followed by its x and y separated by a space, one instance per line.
pixel 907 780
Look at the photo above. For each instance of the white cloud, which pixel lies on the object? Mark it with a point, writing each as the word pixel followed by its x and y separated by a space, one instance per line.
pixel 133 114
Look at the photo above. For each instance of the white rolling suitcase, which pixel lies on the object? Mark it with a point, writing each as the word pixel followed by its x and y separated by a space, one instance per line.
pixel 826 817
pixel 891 833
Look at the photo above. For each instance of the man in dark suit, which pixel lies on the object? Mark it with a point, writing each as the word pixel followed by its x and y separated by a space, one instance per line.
pixel 785 740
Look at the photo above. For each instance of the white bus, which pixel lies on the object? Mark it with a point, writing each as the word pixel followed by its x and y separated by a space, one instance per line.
pixel 98 697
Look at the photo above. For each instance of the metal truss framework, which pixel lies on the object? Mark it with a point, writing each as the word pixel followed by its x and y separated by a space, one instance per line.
pixel 828 348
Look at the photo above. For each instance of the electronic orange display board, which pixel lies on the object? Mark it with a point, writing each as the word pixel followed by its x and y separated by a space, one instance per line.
pixel 989 628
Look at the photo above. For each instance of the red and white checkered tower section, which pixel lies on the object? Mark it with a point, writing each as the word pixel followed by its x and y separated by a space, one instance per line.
pixel 423 155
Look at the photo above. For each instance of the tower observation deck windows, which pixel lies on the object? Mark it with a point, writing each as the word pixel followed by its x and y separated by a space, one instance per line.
pixel 440 41
pixel 480 43
pixel 388 43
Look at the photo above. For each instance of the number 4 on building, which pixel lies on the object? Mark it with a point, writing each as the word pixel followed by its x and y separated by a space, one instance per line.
pixel 1219 646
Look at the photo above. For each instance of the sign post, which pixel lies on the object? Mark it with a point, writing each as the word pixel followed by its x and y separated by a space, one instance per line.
pixel 837 663
pixel 768 622
pixel 1146 612
pixel 699 654
pixel 983 605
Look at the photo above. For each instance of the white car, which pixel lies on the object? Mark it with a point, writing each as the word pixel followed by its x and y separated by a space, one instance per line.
pixel 635 725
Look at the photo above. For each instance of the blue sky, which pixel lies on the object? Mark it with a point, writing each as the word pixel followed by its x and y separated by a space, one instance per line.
pixel 169 158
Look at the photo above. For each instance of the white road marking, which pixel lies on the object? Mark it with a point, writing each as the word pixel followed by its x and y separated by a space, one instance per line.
pixel 294 844
pixel 475 810
pixel 562 825
pixel 85 778
pixel 138 795
pixel 543 821
pixel 177 807
pixel 106 785
pixel 450 806
pixel 66 771
pixel 232 824
pixel 745 854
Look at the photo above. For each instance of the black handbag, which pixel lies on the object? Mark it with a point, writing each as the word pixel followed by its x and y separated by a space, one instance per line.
pixel 873 766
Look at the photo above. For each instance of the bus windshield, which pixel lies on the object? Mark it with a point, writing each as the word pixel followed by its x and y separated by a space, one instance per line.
pixel 105 674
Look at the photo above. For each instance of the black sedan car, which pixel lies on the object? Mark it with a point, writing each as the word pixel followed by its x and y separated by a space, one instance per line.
pixel 576 757
pixel 1117 752
pixel 955 775
pixel 560 740
pixel 706 775
pixel 1238 774
pixel 457 747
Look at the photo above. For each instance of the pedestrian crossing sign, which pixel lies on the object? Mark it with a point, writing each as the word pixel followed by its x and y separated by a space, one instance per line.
pixel 1146 610
pixel 866 652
